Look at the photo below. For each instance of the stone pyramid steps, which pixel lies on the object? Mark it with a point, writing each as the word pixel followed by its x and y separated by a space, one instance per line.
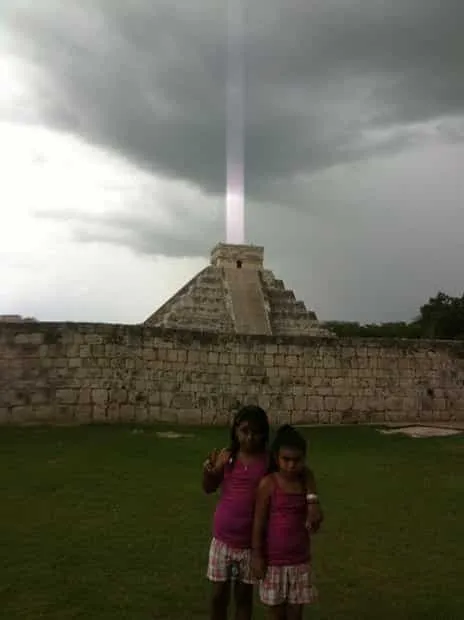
pixel 247 301
pixel 235 294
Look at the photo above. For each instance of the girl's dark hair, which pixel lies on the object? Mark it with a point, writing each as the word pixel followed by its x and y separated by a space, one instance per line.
pixel 258 418
pixel 286 437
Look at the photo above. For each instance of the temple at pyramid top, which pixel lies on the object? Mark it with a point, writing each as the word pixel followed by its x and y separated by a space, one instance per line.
pixel 236 294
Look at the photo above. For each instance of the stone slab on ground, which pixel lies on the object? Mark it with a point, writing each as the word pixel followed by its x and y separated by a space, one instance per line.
pixel 172 435
pixel 418 432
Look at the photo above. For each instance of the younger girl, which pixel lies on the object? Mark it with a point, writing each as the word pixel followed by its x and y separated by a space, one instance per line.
pixel 281 540
pixel 238 470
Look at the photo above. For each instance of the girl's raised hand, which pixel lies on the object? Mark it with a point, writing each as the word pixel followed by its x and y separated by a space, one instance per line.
pixel 222 459
pixel 210 463
pixel 216 460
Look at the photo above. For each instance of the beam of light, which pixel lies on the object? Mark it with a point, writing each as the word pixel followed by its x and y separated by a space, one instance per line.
pixel 235 126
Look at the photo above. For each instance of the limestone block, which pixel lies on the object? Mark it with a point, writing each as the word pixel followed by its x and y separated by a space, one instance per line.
pixel 113 412
pixel 154 398
pixel 303 417
pixel 280 416
pixel 360 403
pixel 162 354
pixel 213 358
pixel 166 398
pixel 99 397
pixel 67 396
pixel 149 354
pixel 443 416
pixel 93 339
pixel 139 363
pixel 242 359
pixel 119 396
pixel 377 417
pixel 5 416
pixel 46 351
pixel 315 403
pixel 169 416
pixel 394 403
pixel 73 350
pixel 127 412
pixel 347 352
pixel 300 403
pixel 85 351
pixel 172 355
pixel 291 361
pixel 99 413
pixel 330 403
pixel 22 338
pixel 224 359
pixel 344 403
pixel 39 397
pixel 141 413
pixel 189 416
pixel 182 401
pixel 213 417
pixel 324 417
pixel 396 416
pixel 84 413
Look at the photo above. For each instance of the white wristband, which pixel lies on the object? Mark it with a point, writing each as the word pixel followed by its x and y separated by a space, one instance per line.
pixel 312 498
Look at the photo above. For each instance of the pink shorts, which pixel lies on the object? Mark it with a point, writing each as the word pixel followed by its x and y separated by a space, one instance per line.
pixel 223 558
pixel 287 584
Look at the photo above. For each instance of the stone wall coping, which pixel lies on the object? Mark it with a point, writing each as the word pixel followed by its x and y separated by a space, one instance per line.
pixel 184 337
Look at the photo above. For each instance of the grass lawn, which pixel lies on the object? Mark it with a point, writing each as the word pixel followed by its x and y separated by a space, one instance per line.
pixel 106 524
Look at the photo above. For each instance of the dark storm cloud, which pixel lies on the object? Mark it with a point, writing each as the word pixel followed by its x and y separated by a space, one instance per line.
pixel 146 79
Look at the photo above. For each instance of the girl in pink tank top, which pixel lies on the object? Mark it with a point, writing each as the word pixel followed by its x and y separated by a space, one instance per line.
pixel 237 471
pixel 281 553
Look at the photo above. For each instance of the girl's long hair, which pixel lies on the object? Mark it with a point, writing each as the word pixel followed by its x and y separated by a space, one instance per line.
pixel 256 416
pixel 286 437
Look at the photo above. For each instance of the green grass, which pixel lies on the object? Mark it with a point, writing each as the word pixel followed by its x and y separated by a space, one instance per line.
pixel 103 523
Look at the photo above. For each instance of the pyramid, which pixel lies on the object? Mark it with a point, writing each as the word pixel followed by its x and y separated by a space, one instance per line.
pixel 236 294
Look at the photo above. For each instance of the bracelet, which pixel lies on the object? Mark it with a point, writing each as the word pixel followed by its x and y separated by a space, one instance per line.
pixel 312 498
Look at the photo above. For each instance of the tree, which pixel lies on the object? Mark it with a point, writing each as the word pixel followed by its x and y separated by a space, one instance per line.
pixel 442 317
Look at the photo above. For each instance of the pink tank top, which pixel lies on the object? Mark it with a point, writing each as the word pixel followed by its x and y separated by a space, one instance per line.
pixel 288 542
pixel 233 519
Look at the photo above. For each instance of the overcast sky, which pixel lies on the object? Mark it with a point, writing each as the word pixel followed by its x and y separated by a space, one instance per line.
pixel 112 152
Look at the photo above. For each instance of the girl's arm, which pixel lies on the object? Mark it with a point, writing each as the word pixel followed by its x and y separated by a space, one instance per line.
pixel 315 514
pixel 310 481
pixel 213 470
pixel 263 497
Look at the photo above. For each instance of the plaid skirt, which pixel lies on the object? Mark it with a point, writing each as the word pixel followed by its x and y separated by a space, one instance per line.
pixel 225 563
pixel 287 584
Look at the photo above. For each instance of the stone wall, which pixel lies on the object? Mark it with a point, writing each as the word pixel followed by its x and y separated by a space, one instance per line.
pixel 78 373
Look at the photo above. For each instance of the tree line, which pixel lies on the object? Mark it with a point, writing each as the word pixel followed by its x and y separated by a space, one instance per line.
pixel 442 317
